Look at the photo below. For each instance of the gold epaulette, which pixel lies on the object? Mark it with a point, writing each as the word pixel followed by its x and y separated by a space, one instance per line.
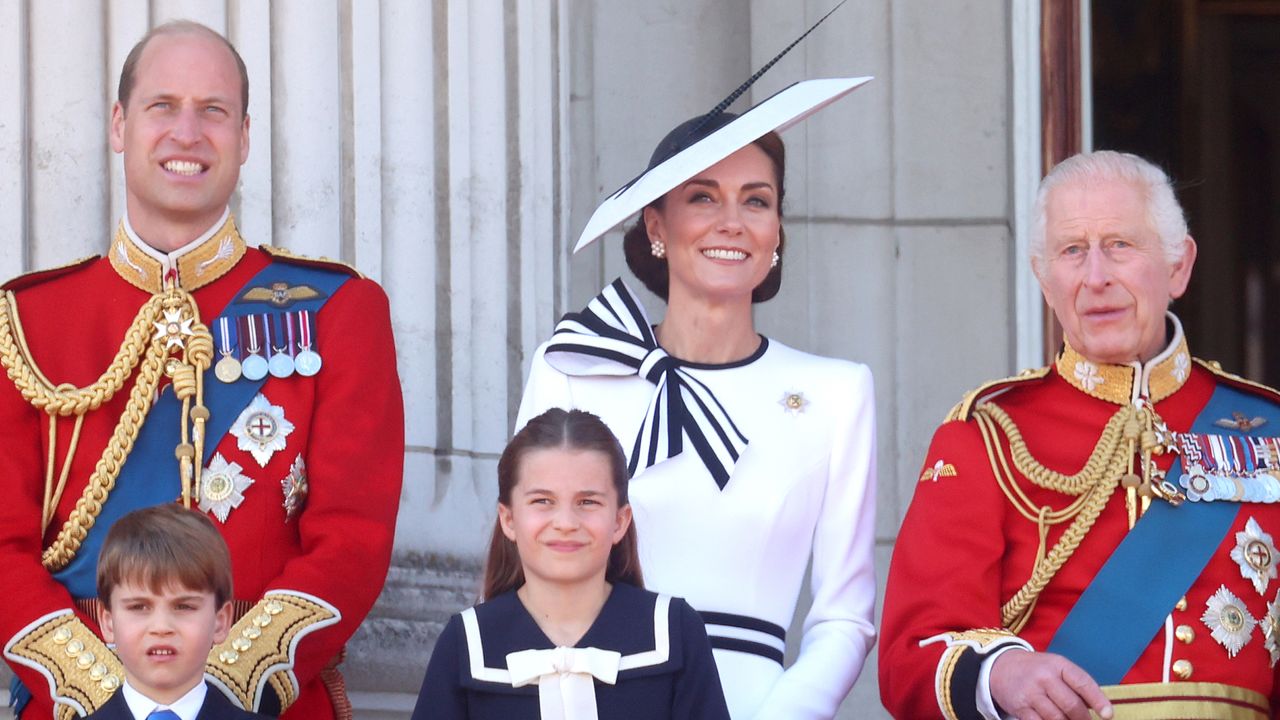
pixel 259 651
pixel 1249 386
pixel 289 256
pixel 964 409
pixel 36 277
pixel 82 672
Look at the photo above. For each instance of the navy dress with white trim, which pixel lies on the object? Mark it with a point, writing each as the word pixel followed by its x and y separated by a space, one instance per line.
pixel 665 669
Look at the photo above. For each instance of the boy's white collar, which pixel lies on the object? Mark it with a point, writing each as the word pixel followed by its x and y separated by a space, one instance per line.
pixel 187 707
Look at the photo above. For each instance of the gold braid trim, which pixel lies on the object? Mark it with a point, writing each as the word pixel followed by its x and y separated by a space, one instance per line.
pixel 1131 430
pixel 82 672
pixel 259 651
pixel 149 348
pixel 1210 701
pixel 947 668
pixel 66 400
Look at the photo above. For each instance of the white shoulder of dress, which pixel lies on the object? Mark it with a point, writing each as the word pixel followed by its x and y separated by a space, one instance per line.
pixel 783 353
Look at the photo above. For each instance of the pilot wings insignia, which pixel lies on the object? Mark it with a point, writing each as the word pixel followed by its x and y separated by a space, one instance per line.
pixel 279 294
pixel 1240 421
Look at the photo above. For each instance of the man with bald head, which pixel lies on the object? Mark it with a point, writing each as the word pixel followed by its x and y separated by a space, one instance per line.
pixel 184 366
pixel 1096 536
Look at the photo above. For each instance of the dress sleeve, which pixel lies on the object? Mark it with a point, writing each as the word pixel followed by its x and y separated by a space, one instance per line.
pixel 442 696
pixel 698 695
pixel 942 606
pixel 839 630
pixel 546 388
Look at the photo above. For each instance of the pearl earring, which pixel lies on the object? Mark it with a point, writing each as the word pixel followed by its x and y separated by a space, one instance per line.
pixel 776 259
pixel 658 249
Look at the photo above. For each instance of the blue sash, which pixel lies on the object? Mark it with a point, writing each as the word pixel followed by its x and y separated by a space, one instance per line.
pixel 1125 606
pixel 150 475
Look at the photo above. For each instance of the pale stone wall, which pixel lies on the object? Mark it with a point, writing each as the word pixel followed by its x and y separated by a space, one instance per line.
pixel 454 149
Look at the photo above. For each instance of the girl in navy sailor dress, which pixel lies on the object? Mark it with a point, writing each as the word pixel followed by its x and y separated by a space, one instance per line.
pixel 566 632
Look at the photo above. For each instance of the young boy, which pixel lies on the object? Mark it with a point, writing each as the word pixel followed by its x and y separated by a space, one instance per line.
pixel 164 579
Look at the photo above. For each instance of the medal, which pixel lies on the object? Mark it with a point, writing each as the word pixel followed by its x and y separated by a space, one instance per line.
pixel 281 364
pixel 254 366
pixel 228 368
pixel 307 361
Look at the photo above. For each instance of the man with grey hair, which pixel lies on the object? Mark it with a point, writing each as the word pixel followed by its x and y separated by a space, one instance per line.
pixel 186 366
pixel 1096 536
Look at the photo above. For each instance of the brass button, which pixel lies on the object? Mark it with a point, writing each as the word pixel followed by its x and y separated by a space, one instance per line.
pixel 1184 633
pixel 1182 604
pixel 62 635
pixel 1183 669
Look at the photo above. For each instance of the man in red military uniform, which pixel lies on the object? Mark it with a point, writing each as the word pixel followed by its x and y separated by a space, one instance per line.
pixel 258 387
pixel 1097 535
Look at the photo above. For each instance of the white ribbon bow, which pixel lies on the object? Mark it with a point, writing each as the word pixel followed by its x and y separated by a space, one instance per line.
pixel 565 678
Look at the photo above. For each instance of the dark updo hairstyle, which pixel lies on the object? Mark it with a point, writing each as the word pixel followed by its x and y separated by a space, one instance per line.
pixel 652 271
pixel 571 430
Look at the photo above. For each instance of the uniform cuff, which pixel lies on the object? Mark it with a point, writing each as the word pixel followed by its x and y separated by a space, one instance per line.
pixel 958 681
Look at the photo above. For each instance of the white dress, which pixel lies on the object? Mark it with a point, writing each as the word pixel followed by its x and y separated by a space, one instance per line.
pixel 804 486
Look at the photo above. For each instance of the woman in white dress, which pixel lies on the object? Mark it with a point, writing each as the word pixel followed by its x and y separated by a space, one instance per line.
pixel 749 459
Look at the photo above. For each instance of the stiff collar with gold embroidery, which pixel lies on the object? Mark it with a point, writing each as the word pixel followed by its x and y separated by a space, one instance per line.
pixel 1157 379
pixel 194 265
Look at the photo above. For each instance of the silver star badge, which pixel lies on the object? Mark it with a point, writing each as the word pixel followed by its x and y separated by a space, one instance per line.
pixel 1255 553
pixel 793 401
pixel 174 328
pixel 222 487
pixel 261 429
pixel 1228 620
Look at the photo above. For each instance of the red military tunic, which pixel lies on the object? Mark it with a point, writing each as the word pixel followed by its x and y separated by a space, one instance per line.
pixel 324 564
pixel 964 550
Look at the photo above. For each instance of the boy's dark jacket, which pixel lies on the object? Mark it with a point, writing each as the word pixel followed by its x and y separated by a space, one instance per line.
pixel 216 707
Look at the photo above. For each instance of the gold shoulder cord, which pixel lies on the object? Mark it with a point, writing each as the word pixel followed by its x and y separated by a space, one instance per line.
pixel 166 337
pixel 1130 432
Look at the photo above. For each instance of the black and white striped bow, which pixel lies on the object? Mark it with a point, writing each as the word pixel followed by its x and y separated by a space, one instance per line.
pixel 612 336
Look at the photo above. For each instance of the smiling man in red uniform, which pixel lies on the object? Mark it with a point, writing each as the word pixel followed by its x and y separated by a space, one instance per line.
pixel 253 385
pixel 1097 535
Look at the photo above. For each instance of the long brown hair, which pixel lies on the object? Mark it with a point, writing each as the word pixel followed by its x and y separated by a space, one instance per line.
pixel 574 430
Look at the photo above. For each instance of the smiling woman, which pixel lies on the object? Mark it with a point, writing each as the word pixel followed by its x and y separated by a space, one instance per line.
pixel 748 459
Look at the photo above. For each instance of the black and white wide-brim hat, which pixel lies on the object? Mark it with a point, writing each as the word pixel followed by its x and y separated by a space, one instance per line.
pixel 698 144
